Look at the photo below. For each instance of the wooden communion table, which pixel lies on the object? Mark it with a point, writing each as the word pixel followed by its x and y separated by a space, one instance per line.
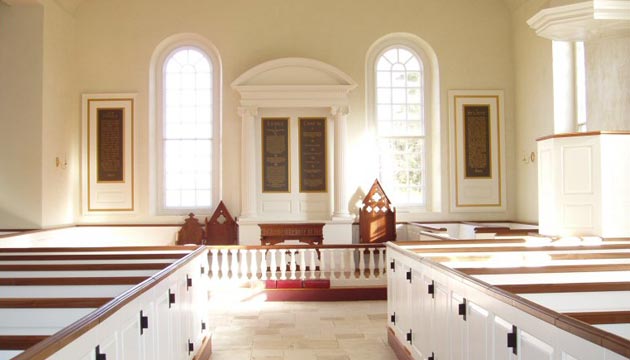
pixel 310 233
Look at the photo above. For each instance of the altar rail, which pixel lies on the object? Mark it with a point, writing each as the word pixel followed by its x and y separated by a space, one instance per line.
pixel 343 265
pixel 437 312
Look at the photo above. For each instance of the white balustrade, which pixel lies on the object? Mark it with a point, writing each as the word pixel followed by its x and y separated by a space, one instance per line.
pixel 344 266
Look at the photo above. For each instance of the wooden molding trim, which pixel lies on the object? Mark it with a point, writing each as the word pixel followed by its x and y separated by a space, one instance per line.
pixel 330 294
pixel 544 269
pixel 148 256
pixel 401 351
pixel 588 133
pixel 86 267
pixel 53 303
pixel 166 248
pixel 601 317
pixel 548 249
pixel 55 281
pixel 301 246
pixel 205 351
pixel 566 287
pixel 19 342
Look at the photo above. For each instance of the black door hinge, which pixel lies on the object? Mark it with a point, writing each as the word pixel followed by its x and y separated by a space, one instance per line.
pixel 431 289
pixel 511 340
pixel 144 322
pixel 461 309
pixel 171 298
pixel 99 356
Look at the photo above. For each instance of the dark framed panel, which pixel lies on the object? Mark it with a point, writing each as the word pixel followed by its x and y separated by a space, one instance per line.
pixel 477 141
pixel 313 164
pixel 275 155
pixel 110 145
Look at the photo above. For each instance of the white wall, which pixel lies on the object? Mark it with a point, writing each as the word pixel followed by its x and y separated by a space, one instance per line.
pixel 608 83
pixel 21 61
pixel 60 126
pixel 115 40
pixel 534 105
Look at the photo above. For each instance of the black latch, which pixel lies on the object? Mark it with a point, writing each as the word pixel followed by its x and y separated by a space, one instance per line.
pixel 409 275
pixel 461 309
pixel 432 357
pixel 188 282
pixel 410 336
pixel 392 265
pixel 203 270
pixel 144 322
pixel 511 340
pixel 392 318
pixel 171 298
pixel 431 289
pixel 99 356
pixel 191 347
pixel 203 326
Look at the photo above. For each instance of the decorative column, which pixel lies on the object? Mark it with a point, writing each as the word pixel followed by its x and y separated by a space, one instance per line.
pixel 248 161
pixel 340 116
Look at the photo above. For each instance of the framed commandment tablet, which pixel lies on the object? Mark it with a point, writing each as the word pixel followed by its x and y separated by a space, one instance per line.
pixel 275 155
pixel 313 171
pixel 108 153
pixel 477 150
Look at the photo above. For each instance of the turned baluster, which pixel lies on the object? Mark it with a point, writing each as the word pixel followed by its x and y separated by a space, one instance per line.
pixel 371 266
pixel 263 264
pixel 225 266
pixel 283 264
pixel 312 263
pixel 302 264
pixel 272 254
pixel 322 263
pixel 234 267
pixel 361 263
pixel 214 266
pixel 293 266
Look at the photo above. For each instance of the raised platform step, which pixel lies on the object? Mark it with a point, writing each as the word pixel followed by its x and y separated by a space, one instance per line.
pixel 327 294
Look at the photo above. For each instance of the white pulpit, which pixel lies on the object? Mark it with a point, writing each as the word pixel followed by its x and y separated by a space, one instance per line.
pixel 584 184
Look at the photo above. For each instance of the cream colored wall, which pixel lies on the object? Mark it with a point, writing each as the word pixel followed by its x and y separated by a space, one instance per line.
pixel 60 126
pixel 115 40
pixel 534 105
pixel 21 59
pixel 608 83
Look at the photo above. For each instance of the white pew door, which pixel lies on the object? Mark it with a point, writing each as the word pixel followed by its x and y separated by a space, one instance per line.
pixel 458 326
pixel 478 325
pixel 500 331
pixel 421 319
pixel 532 348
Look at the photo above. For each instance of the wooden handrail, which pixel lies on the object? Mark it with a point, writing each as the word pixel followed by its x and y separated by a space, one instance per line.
pixel 53 303
pixel 601 317
pixel 146 256
pixel 54 343
pixel 56 281
pixel 565 287
pixel 98 249
pixel 603 338
pixel 19 342
pixel 553 257
pixel 520 249
pixel 86 267
pixel 544 269
pixel 301 246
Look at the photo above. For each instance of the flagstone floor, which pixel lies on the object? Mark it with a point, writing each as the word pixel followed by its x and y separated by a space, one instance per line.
pixel 261 330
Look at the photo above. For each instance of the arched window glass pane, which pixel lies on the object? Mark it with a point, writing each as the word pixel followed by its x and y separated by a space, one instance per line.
pixel 187 130
pixel 400 125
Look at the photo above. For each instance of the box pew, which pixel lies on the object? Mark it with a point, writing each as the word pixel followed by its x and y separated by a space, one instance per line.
pixel 468 307
pixel 35 285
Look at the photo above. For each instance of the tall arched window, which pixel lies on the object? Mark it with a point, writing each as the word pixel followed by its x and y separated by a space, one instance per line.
pixel 403 106
pixel 187 127
pixel 400 124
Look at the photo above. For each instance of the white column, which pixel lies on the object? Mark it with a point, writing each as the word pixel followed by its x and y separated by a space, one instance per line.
pixel 248 161
pixel 340 209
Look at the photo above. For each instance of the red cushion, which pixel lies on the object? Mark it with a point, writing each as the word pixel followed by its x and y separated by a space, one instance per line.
pixel 317 283
pixel 289 284
pixel 270 284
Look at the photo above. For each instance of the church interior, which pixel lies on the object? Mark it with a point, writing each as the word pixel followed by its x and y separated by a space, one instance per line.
pixel 461 166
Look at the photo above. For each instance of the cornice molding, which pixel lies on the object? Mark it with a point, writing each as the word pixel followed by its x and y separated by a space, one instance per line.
pixel 583 21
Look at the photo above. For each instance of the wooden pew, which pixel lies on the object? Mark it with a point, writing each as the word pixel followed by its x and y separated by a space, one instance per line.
pixel 35 285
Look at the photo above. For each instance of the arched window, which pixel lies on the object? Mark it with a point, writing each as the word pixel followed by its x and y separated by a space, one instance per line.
pixel 400 124
pixel 187 127
pixel 403 106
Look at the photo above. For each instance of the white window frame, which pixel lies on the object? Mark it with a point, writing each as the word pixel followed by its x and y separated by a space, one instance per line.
pixel 161 55
pixel 432 172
